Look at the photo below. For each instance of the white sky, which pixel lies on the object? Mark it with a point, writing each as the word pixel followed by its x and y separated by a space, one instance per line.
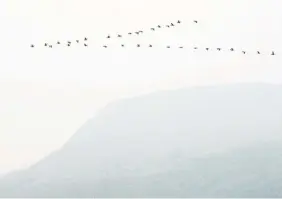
pixel 45 95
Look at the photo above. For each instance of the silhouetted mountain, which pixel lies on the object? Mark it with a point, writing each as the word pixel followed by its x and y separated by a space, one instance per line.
pixel 164 145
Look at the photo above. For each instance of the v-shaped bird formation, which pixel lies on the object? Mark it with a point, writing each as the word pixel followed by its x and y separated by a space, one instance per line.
pixel 84 41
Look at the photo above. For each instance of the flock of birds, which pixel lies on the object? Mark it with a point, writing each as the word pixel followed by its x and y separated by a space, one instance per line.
pixel 139 32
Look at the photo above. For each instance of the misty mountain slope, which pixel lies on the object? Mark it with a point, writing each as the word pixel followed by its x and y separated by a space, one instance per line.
pixel 155 133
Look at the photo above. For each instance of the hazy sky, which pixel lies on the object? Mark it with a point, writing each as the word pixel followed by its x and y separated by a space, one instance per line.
pixel 47 94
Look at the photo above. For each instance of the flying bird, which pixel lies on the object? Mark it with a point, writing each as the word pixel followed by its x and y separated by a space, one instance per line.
pixel 195 48
pixel 172 24
pixel 85 39
pixel 272 53
pixel 180 46
pixel 218 49
pixel 140 31
pixel 153 29
pixel 258 52
pixel 138 45
pixel 105 46
pixel 168 26
pixel 178 21
pixel 108 37
pixel 32 46
pixel 85 45
pixel 231 49
pixel 137 33
pixel 50 46
pixel 119 36
pixel 195 21
pixel 150 46
pixel 168 47
pixel 207 48
pixel 58 42
pixel 159 26
pixel 244 52
pixel 68 44
pixel 130 33
pixel 77 41
pixel 45 44
pixel 122 45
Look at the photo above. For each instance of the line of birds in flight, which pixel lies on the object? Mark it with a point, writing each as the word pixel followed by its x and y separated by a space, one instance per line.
pixel 69 43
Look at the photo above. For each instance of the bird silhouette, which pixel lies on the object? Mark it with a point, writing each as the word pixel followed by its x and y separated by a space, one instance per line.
pixel 167 26
pixel 32 46
pixel 137 33
pixel 68 44
pixel 153 29
pixel 85 39
pixel 272 53
pixel 122 45
pixel 258 52
pixel 172 24
pixel 195 48
pixel 150 46
pixel 77 41
pixel 244 52
pixel 218 49
pixel 159 26
pixel 231 49
pixel 180 46
pixel 168 47
pixel 119 36
pixel 207 48
pixel 195 21
pixel 178 21
pixel 58 42
pixel 45 44
pixel 130 33
pixel 85 45
pixel 138 45
pixel 105 46
pixel 50 46
pixel 108 37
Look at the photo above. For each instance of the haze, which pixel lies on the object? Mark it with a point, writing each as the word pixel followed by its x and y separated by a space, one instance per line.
pixel 46 95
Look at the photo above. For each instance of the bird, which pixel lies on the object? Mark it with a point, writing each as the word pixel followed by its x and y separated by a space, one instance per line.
pixel 168 26
pixel 244 52
pixel 137 33
pixel 231 49
pixel 195 48
pixel 272 53
pixel 122 45
pixel 207 48
pixel 258 52
pixel 130 33
pixel 138 45
pixel 178 21
pixel 50 46
pixel 150 46
pixel 195 21
pixel 108 37
pixel 77 41
pixel 172 24
pixel 168 47
pixel 45 44
pixel 85 39
pixel 180 46
pixel 218 49
pixel 58 42
pixel 32 46
pixel 153 29
pixel 140 31
pixel 85 45
pixel 105 46
pixel 159 26
pixel 119 36
pixel 68 44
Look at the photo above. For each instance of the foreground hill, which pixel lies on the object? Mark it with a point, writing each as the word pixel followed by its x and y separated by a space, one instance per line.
pixel 164 144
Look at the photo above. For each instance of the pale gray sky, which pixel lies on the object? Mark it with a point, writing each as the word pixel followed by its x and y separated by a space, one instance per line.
pixel 47 94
